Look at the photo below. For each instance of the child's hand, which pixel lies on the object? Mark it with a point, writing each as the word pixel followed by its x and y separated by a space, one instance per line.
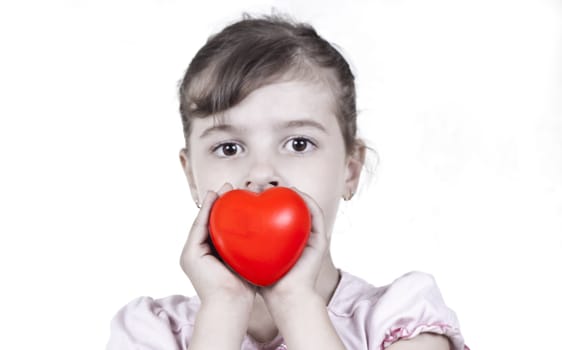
pixel 299 283
pixel 212 280
pixel 298 309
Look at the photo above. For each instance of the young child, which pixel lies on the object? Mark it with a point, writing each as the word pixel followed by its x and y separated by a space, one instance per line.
pixel 267 102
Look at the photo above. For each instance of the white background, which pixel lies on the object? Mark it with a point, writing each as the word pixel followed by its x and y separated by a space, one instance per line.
pixel 461 100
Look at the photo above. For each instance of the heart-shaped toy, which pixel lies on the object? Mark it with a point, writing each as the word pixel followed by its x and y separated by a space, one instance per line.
pixel 260 235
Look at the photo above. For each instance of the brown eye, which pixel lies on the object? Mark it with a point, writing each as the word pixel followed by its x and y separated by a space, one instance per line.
pixel 227 149
pixel 299 145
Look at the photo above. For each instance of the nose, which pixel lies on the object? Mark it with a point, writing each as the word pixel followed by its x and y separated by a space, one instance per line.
pixel 261 176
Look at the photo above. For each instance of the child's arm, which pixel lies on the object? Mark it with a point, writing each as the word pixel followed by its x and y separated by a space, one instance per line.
pixel 226 300
pixel 424 341
pixel 299 311
pixel 220 324
pixel 303 320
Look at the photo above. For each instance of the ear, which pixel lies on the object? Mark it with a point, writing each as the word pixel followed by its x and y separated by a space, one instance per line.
pixel 354 166
pixel 186 166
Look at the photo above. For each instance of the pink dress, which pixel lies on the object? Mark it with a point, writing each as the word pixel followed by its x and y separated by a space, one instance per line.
pixel 364 316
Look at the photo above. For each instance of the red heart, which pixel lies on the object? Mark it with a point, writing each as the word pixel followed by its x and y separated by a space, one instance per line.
pixel 260 235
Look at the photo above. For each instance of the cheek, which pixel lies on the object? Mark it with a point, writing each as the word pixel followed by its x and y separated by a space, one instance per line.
pixel 324 183
pixel 328 201
pixel 209 176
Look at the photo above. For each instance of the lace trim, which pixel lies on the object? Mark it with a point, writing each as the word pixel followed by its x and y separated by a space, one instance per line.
pixel 393 335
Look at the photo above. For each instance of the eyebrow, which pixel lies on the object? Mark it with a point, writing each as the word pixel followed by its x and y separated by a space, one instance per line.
pixel 287 125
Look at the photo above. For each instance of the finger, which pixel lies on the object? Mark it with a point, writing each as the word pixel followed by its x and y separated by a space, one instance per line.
pixel 199 231
pixel 318 237
pixel 194 245
pixel 225 188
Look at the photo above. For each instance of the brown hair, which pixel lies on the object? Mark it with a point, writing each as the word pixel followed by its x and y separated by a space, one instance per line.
pixel 254 52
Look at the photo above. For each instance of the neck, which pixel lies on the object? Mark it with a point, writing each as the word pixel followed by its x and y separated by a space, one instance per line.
pixel 262 327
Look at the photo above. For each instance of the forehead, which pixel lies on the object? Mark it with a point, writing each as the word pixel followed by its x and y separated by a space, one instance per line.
pixel 279 103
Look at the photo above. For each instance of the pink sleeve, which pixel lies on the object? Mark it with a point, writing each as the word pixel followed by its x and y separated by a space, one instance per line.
pixel 412 305
pixel 146 324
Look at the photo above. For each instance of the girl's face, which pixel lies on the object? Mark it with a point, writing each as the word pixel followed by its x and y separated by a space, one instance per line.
pixel 282 134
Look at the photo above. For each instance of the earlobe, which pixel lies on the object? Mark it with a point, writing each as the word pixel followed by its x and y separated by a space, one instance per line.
pixel 186 166
pixel 354 165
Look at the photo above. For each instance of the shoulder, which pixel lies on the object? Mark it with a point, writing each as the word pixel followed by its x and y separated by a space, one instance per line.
pixel 353 293
pixel 157 323
pixel 413 305
pixel 402 310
